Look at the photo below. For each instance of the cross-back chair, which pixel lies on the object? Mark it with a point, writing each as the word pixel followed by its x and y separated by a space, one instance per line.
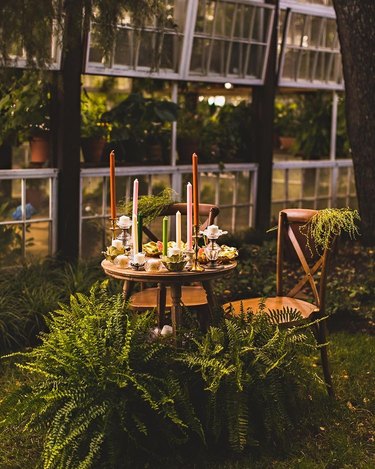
pixel 295 247
pixel 160 297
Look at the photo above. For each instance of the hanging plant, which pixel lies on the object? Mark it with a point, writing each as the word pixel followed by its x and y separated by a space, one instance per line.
pixel 328 223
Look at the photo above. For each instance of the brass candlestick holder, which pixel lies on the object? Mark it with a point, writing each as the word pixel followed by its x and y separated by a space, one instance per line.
pixel 113 227
pixel 196 267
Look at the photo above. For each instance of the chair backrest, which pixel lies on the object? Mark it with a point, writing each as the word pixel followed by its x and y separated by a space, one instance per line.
pixel 293 245
pixel 207 211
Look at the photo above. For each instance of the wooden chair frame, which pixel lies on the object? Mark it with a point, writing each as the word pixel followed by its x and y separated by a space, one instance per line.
pixel 291 242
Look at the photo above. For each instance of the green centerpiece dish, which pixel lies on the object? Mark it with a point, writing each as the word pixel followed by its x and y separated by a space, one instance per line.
pixel 174 263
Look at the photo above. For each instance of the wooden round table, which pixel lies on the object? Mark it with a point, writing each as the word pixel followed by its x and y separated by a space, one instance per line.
pixel 173 279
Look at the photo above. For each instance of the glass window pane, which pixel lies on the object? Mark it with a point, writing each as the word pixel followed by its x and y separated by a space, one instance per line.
pixel 256 61
pixel 10 244
pixel 38 239
pixel 37 198
pixel 10 199
pixel 242 218
pixel 200 47
pixel 208 185
pixel 227 182
pixel 92 194
pixel 94 237
pixel 225 218
pixel 123 50
pixel 243 188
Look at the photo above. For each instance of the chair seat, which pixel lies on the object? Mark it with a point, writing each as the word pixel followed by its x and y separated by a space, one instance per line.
pixel 277 302
pixel 148 298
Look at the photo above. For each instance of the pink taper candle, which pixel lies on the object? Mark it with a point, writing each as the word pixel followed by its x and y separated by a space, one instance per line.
pixel 112 184
pixel 135 198
pixel 189 216
pixel 195 189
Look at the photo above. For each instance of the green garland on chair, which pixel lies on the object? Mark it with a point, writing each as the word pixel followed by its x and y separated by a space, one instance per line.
pixel 328 223
pixel 151 206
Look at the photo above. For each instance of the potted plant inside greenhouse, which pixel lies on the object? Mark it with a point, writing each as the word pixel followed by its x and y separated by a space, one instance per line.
pixel 94 131
pixel 25 112
pixel 141 128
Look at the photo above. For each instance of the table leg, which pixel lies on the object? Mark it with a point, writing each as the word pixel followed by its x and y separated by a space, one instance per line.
pixel 211 299
pixel 127 289
pixel 161 301
pixel 176 309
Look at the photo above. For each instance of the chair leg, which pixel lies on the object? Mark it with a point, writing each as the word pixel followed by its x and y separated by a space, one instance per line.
pixel 321 336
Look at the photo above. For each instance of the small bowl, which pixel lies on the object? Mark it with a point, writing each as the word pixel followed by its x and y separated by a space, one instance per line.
pixel 152 265
pixel 175 266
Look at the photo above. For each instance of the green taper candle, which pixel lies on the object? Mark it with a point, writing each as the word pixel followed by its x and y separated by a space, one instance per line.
pixel 165 236
pixel 140 226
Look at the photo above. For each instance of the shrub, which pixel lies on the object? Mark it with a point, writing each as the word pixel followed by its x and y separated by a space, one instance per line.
pixel 107 392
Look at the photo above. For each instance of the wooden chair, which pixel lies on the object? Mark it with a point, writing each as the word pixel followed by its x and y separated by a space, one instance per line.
pixel 292 246
pixel 160 297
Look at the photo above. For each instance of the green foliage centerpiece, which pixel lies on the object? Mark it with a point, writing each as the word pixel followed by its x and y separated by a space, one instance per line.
pixel 151 206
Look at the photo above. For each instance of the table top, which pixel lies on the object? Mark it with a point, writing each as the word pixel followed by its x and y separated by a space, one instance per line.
pixel 165 276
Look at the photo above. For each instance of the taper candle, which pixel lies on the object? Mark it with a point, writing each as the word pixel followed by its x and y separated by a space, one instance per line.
pixel 195 189
pixel 189 217
pixel 140 227
pixel 112 184
pixel 135 235
pixel 165 236
pixel 178 229
pixel 135 197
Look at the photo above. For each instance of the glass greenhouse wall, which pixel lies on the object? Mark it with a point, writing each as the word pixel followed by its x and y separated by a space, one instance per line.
pixel 197 41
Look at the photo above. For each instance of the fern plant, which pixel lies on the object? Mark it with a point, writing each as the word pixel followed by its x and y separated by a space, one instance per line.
pixel 101 387
pixel 252 371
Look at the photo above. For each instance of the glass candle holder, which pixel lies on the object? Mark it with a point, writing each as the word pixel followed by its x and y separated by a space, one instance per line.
pixel 212 253
pixel 124 223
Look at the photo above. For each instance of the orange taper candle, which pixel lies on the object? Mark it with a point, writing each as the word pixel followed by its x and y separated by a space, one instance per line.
pixel 112 183
pixel 195 189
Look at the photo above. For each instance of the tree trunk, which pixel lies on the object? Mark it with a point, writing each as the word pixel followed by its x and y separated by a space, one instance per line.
pixel 68 152
pixel 356 27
